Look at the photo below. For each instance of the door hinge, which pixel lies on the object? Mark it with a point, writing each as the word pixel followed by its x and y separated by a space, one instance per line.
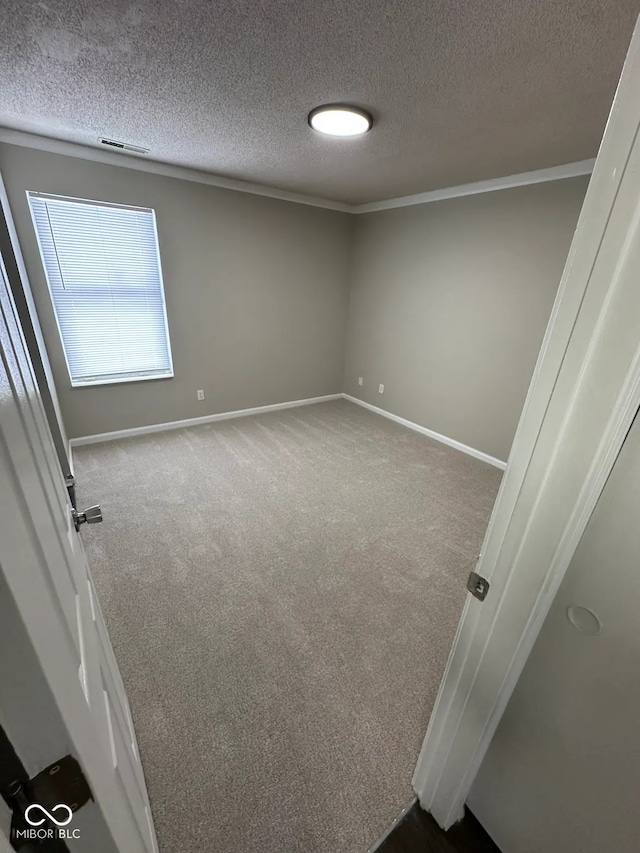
pixel 478 586
pixel 43 807
pixel 70 481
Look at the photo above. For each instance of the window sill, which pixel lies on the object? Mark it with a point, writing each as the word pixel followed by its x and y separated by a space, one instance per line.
pixel 121 380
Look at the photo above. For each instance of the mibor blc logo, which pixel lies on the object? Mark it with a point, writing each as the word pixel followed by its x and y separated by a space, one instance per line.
pixel 64 821
pixel 37 816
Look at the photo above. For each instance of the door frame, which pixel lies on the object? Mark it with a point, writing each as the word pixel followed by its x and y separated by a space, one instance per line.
pixel 61 667
pixel 32 330
pixel 582 399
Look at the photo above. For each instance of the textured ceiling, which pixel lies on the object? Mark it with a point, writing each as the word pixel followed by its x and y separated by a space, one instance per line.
pixel 461 90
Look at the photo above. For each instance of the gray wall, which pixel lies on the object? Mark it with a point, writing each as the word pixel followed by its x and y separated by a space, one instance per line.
pixel 562 774
pixel 256 293
pixel 449 303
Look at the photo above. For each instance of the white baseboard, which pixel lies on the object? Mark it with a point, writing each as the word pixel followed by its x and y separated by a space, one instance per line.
pixel 258 410
pixel 471 451
pixel 189 422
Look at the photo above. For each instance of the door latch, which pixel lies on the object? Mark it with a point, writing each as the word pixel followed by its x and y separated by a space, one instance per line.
pixel 478 586
pixel 70 482
pixel 91 515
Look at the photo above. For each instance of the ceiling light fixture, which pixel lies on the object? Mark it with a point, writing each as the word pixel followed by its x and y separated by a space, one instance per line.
pixel 340 120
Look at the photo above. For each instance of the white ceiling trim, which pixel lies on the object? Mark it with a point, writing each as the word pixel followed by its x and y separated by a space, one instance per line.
pixel 97 155
pixel 554 173
pixel 126 161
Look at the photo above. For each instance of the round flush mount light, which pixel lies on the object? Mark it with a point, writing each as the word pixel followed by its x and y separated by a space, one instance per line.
pixel 340 120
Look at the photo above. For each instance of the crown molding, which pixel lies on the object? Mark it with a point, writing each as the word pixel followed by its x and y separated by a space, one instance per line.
pixel 539 176
pixel 144 164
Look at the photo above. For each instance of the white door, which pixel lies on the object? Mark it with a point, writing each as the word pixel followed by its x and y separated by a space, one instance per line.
pixel 563 771
pixel 60 689
pixel 582 400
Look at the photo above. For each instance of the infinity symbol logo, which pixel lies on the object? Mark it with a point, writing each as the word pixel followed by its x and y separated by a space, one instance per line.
pixel 47 814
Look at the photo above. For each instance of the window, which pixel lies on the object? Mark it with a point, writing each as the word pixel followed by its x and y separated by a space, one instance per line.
pixel 103 269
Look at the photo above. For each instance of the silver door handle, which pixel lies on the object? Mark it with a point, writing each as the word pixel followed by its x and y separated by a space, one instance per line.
pixel 91 515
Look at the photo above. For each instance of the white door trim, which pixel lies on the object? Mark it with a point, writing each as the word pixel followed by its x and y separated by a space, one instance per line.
pixel 583 397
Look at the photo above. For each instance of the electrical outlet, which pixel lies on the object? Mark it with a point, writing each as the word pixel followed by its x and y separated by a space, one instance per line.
pixel 359 380
pixel 200 394
pixel 380 389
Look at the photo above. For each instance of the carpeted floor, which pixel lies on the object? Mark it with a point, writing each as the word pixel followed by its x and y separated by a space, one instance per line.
pixel 282 592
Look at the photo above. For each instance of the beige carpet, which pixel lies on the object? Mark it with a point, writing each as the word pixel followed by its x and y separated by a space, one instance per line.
pixel 282 592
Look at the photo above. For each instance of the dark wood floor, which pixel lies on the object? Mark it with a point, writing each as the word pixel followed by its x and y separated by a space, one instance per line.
pixel 415 831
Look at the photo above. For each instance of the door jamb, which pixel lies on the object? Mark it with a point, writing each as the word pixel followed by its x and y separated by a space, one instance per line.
pixel 575 376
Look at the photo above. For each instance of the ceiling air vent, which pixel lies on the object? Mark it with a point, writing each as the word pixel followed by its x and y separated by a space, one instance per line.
pixel 123 146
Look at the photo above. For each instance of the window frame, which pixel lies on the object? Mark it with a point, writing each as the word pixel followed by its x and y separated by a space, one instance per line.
pixel 118 380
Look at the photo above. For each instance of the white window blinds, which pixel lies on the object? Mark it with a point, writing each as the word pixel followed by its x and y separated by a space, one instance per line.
pixel 103 269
